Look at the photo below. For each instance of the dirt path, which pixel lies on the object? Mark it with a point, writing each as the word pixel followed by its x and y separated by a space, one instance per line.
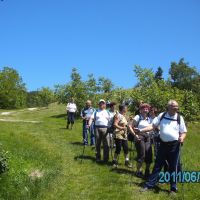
pixel 16 120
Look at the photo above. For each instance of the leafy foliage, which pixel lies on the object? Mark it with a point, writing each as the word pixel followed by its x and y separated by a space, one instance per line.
pixel 12 89
pixel 3 160
pixel 42 97
pixel 159 92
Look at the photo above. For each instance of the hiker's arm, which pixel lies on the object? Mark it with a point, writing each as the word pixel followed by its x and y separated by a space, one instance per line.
pixel 147 129
pixel 90 121
pixel 130 127
pixel 182 137
pixel 116 125
pixel 182 130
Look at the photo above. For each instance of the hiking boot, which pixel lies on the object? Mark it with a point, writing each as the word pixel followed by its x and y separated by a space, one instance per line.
pixel 128 164
pixel 144 189
pixel 172 193
pixel 114 163
pixel 139 174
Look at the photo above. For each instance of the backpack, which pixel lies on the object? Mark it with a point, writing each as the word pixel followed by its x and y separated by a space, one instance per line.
pixel 178 118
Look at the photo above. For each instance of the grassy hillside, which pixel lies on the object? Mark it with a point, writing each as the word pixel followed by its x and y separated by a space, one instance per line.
pixel 45 162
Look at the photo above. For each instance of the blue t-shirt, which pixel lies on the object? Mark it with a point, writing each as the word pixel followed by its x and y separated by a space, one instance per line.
pixel 87 112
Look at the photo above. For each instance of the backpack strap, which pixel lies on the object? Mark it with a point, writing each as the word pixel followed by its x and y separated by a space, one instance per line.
pixel 140 118
pixel 95 115
pixel 178 118
pixel 163 115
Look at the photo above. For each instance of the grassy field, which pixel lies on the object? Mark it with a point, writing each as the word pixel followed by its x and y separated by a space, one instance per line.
pixel 45 163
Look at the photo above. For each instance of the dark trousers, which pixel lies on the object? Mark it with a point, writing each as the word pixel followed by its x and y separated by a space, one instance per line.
pixel 170 152
pixel 90 131
pixel 70 117
pixel 121 144
pixel 101 135
pixel 144 149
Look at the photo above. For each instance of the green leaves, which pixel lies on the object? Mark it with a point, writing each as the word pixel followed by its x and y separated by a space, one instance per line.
pixel 158 92
pixel 12 89
pixel 3 160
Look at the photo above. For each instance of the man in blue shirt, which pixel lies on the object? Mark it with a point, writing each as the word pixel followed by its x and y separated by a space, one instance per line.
pixel 85 115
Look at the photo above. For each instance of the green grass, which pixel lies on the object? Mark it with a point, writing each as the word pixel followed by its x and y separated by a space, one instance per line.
pixel 55 152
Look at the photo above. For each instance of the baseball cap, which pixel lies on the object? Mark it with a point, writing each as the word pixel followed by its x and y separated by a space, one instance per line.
pixel 102 101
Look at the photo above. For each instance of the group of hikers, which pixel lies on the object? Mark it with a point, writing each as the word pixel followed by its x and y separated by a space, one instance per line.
pixel 112 127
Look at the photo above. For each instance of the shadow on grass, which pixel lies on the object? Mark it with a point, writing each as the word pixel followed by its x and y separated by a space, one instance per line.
pixel 59 116
pixel 77 143
pixel 93 159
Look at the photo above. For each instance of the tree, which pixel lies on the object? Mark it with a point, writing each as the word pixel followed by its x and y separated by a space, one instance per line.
pixel 183 76
pixel 12 89
pixel 76 89
pixel 159 74
pixel 105 85
pixel 145 76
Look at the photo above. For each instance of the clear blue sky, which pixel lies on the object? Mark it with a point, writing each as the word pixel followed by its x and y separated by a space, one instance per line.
pixel 44 39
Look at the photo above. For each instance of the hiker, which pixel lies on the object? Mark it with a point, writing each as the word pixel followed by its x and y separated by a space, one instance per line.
pixel 120 135
pixel 86 113
pixel 142 141
pixel 112 111
pixel 71 110
pixel 153 113
pixel 101 119
pixel 172 135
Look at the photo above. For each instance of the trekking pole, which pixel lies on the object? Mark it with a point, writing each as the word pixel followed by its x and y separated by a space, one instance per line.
pixel 181 165
pixel 83 152
pixel 111 145
pixel 131 158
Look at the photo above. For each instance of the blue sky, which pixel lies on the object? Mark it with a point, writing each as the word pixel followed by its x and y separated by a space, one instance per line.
pixel 44 39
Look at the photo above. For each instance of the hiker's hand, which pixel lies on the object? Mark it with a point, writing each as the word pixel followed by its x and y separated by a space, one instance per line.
pixel 123 128
pixel 87 126
pixel 181 139
pixel 136 130
pixel 137 138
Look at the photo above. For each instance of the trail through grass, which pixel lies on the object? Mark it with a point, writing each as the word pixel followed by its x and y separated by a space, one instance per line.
pixel 45 163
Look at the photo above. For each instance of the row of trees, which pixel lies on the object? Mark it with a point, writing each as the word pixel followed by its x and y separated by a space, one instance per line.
pixel 182 84
pixel 13 93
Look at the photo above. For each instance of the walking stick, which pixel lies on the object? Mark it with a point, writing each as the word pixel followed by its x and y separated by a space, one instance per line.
pixel 181 164
pixel 131 158
pixel 111 145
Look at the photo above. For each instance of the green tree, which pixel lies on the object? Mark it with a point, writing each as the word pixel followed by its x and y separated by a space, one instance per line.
pixel 12 89
pixel 159 74
pixel 76 89
pixel 183 76
pixel 145 76
pixel 105 85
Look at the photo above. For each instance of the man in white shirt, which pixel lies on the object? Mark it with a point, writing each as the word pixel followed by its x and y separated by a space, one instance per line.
pixel 71 110
pixel 101 120
pixel 172 134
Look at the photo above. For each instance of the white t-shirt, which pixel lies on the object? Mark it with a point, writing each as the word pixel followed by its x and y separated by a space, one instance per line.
pixel 170 130
pixel 71 107
pixel 143 123
pixel 101 118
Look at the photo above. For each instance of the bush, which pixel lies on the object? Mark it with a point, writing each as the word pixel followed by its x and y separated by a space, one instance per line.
pixel 3 160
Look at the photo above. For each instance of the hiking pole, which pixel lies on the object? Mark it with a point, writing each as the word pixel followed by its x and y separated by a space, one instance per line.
pixel 181 169
pixel 131 158
pixel 83 152
pixel 111 145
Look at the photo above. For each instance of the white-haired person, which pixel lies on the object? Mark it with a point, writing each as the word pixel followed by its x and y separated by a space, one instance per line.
pixel 172 135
